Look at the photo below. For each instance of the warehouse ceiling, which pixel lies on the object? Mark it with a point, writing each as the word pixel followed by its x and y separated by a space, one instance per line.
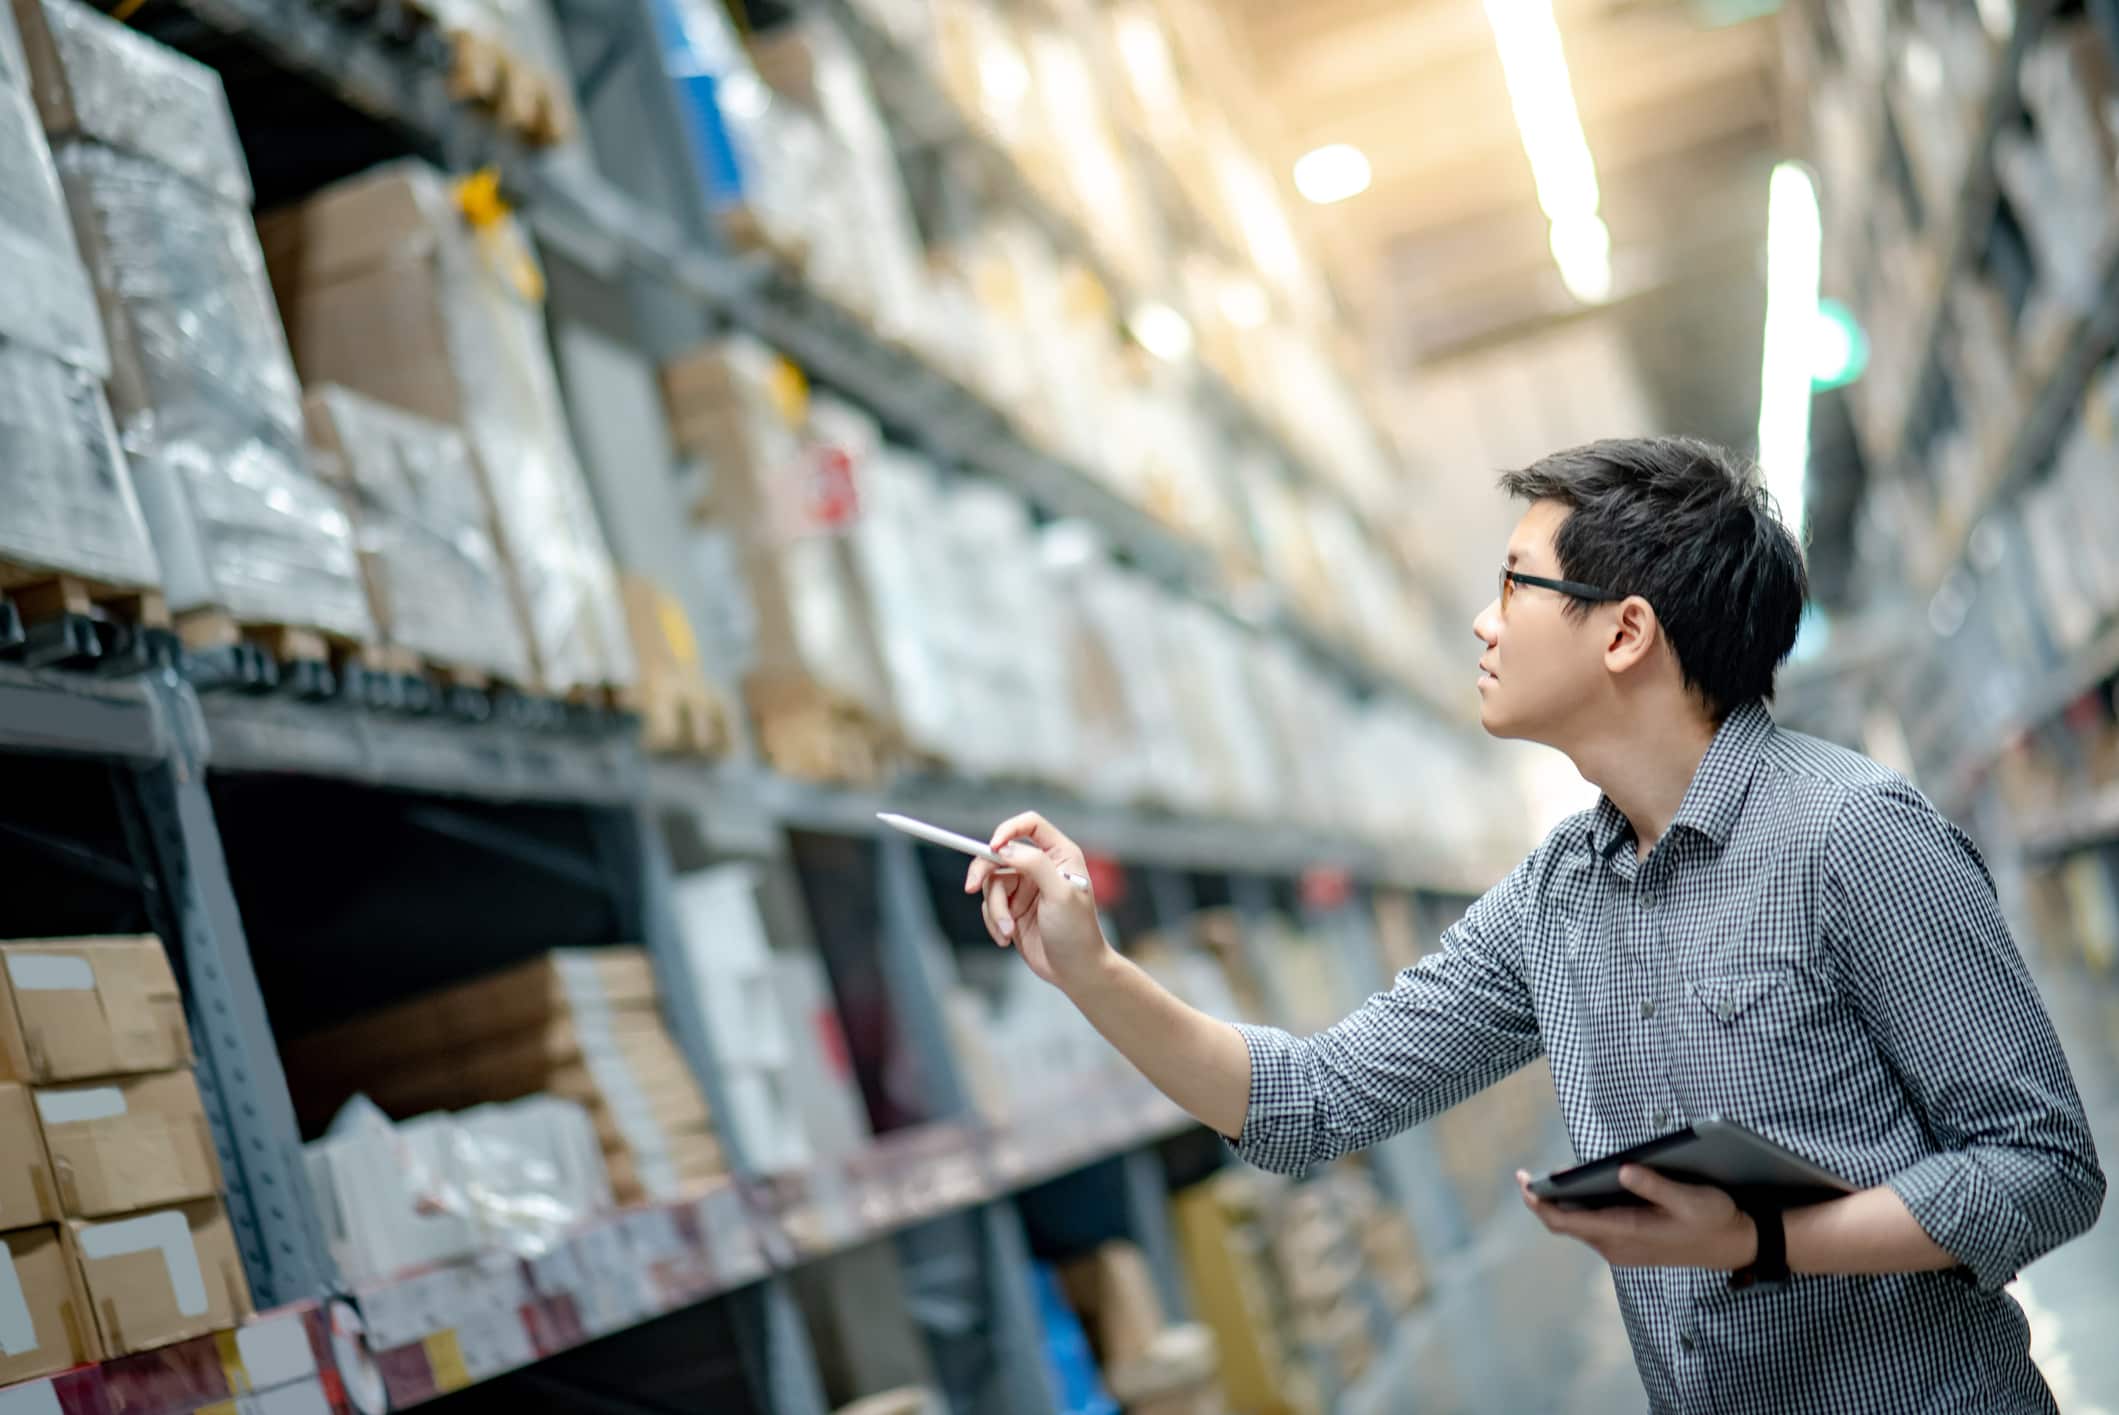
pixel 1448 248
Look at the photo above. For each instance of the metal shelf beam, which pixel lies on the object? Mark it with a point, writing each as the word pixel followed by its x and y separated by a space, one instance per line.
pixel 493 760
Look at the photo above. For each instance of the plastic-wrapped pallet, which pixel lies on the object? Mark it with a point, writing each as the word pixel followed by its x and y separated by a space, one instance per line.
pixel 436 584
pixel 96 80
pixel 50 306
pixel 71 501
pixel 425 294
pixel 203 390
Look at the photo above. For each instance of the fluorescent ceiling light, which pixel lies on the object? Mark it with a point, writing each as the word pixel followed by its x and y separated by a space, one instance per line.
pixel 1162 331
pixel 1332 173
pixel 1543 99
pixel 1794 253
pixel 1582 248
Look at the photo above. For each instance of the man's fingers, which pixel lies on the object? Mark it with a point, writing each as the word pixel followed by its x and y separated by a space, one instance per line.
pixel 1644 1182
pixel 999 909
pixel 1037 869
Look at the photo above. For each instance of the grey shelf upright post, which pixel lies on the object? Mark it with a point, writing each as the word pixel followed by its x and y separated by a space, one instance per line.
pixel 918 973
pixel 781 1362
pixel 170 821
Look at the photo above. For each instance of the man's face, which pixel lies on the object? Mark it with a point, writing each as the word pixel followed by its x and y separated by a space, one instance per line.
pixel 1541 663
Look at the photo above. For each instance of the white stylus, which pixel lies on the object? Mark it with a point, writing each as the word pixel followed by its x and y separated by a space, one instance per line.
pixel 964 844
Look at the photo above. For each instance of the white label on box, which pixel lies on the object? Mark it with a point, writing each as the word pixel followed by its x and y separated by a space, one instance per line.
pixel 275 1352
pixel 559 1271
pixel 166 1231
pixel 652 1235
pixel 18 1334
pixel 50 972
pixel 74 1107
pixel 37 1398
pixel 305 1399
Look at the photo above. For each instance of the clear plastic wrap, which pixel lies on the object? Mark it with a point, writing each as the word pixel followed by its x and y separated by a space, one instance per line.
pixel 445 1187
pixel 69 493
pixel 436 584
pixel 512 414
pixel 207 402
pixel 123 90
pixel 389 290
pixel 46 301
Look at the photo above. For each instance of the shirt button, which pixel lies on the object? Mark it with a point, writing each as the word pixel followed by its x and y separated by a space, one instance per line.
pixel 1662 1116
pixel 1689 1339
pixel 1648 1008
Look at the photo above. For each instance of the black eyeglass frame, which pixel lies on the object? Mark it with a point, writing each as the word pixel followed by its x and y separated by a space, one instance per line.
pixel 1574 588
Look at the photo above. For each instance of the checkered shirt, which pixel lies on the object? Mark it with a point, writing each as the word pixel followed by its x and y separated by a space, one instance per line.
pixel 1811 950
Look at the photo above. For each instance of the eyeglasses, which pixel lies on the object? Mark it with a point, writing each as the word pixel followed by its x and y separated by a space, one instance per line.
pixel 1511 578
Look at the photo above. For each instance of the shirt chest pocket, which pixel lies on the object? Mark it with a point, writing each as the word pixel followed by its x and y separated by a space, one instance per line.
pixel 1727 1000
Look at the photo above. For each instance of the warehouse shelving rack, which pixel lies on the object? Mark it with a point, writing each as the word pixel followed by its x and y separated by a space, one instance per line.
pixel 1959 739
pixel 163 745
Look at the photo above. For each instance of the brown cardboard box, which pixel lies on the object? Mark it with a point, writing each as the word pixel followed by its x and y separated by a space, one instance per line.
pixel 1112 1290
pixel 137 1143
pixel 27 1194
pixel 1229 1295
pixel 72 1009
pixel 161 1277
pixel 45 1324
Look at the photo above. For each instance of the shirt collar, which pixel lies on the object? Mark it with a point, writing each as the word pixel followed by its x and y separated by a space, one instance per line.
pixel 1716 796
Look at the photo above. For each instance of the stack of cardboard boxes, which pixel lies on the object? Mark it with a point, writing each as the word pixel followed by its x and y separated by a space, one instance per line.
pixel 425 294
pixel 116 1240
pixel 579 1024
pixel 785 486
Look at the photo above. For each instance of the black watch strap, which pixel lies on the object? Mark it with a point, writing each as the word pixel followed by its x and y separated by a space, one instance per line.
pixel 1769 1267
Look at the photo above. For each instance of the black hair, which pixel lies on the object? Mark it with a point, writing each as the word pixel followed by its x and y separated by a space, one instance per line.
pixel 1690 528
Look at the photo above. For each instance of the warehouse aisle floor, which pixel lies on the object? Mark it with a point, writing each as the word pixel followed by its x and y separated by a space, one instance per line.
pixel 1523 1323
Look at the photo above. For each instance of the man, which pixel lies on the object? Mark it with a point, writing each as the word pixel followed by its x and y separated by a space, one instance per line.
pixel 1750 923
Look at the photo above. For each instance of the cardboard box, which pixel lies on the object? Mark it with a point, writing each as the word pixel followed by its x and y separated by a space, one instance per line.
pixel 1115 1294
pixel 74 1009
pixel 45 1322
pixel 27 1194
pixel 163 1277
pixel 118 1146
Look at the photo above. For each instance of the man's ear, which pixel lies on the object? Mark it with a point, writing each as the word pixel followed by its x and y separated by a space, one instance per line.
pixel 1635 634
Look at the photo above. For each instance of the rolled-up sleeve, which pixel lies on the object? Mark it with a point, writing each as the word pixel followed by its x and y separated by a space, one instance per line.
pixel 1454 1023
pixel 1911 914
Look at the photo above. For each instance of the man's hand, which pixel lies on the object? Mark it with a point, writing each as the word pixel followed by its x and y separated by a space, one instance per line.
pixel 1679 1225
pixel 1034 907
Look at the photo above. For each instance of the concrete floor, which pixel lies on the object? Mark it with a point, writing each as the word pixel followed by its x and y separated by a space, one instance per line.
pixel 1522 1323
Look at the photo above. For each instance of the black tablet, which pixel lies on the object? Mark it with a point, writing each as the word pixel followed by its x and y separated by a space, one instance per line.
pixel 1712 1151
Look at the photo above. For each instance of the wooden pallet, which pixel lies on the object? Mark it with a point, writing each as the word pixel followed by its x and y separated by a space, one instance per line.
pixel 205 630
pixel 525 97
pixel 41 595
pixel 808 732
pixel 681 724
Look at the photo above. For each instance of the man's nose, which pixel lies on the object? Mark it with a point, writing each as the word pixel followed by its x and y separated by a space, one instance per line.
pixel 1487 624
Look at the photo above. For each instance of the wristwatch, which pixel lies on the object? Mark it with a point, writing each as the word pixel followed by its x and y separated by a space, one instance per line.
pixel 1769 1266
